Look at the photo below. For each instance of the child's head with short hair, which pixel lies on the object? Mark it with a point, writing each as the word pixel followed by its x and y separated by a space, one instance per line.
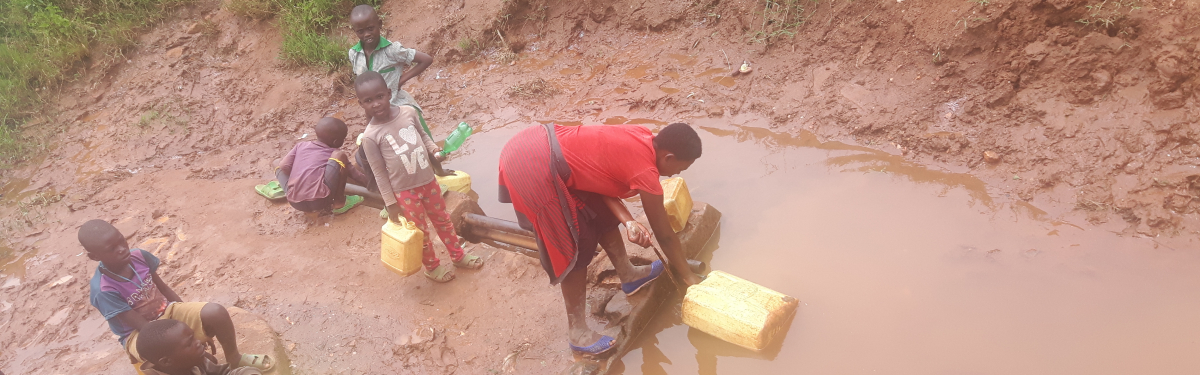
pixel 373 94
pixel 366 25
pixel 331 131
pixel 676 147
pixel 170 345
pixel 104 243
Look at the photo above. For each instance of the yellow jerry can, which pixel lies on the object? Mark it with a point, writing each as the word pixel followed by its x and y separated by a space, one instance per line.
pixel 460 182
pixel 678 202
pixel 401 248
pixel 737 311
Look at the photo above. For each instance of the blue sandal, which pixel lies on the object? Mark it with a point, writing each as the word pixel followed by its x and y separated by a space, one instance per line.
pixel 604 344
pixel 656 270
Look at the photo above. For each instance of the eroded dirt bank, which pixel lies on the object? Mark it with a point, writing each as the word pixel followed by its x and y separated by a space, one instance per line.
pixel 1095 122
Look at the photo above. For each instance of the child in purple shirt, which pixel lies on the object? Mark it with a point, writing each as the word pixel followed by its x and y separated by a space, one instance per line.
pixel 314 173
pixel 128 292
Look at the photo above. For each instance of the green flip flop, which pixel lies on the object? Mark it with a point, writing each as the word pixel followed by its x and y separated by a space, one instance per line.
pixel 469 261
pixel 351 201
pixel 262 362
pixel 442 274
pixel 270 190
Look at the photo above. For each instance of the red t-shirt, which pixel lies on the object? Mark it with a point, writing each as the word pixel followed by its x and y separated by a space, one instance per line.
pixel 611 160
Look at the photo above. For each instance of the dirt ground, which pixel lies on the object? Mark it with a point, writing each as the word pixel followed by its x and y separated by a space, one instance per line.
pixel 1081 108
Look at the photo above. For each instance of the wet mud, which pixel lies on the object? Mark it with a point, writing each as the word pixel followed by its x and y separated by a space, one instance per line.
pixel 1011 192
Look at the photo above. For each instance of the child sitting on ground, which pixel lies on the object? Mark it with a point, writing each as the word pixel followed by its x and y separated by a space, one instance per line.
pixel 314 173
pixel 399 151
pixel 128 292
pixel 170 348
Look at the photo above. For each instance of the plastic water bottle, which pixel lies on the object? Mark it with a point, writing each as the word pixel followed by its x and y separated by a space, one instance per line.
pixel 456 139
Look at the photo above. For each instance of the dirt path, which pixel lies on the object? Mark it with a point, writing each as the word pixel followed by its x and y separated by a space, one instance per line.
pixel 1096 123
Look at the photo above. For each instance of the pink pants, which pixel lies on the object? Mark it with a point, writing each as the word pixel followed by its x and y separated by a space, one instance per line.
pixel 425 202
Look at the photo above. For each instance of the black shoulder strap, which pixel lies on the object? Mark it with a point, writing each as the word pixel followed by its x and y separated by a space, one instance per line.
pixel 559 162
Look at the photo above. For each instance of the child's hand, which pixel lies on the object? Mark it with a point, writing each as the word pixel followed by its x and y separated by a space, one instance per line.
pixel 393 213
pixel 638 234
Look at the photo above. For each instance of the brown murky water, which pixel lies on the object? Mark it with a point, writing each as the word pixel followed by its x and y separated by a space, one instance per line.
pixel 903 269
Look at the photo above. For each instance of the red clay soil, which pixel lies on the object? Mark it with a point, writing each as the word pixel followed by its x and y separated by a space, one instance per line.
pixel 1080 108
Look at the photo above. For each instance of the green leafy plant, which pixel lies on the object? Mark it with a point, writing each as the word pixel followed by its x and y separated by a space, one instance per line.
pixel 780 18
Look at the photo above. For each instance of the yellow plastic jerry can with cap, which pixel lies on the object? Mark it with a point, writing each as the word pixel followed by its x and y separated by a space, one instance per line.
pixel 678 202
pixel 460 181
pixel 401 248
pixel 737 311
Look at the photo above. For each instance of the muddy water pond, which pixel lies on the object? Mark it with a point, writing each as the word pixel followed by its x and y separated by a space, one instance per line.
pixel 903 269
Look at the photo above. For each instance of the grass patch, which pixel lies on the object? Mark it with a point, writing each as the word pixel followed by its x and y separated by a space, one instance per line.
pixel 780 18
pixel 306 26
pixel 44 39
pixel 1107 13
pixel 254 9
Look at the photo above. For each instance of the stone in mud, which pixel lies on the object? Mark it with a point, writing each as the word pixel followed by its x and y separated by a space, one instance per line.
pixel 991 157
pixel 617 308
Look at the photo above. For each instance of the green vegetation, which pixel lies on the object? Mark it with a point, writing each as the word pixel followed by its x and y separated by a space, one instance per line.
pixel 44 39
pixel 1107 13
pixel 780 18
pixel 306 26
pixel 470 46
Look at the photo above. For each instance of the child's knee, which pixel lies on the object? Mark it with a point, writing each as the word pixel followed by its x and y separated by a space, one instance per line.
pixel 213 313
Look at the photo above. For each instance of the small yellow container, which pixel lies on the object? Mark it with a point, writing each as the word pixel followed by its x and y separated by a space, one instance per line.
pixel 401 248
pixel 460 182
pixel 678 202
pixel 737 311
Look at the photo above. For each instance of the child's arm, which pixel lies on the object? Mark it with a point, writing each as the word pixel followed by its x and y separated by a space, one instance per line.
pixel 288 161
pixel 132 319
pixel 422 61
pixel 661 224
pixel 165 289
pixel 431 150
pixel 637 233
pixel 430 145
pixel 379 169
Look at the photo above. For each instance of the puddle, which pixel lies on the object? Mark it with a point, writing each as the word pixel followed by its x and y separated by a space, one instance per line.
pixel 560 122
pixel 12 264
pixel 646 121
pixel 11 192
pixel 726 81
pixel 620 90
pixel 617 120
pixel 710 72
pixel 638 72
pixel 669 90
pixel 907 269
pixel 684 60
